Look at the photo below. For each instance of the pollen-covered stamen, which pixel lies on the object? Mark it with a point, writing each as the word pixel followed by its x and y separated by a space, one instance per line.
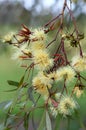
pixel 66 73
pixel 8 38
pixel 38 35
pixel 67 105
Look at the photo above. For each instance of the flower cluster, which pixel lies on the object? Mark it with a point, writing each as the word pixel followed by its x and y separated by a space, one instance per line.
pixel 31 46
pixel 54 78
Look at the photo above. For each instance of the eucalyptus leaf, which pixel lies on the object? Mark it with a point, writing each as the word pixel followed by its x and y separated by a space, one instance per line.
pixel 5 104
pixel 21 81
pixel 26 120
pixel 13 83
pixel 57 123
pixel 11 90
pixel 42 122
pixel 6 118
pixel 48 121
pixel 33 122
pixel 8 105
pixel 30 95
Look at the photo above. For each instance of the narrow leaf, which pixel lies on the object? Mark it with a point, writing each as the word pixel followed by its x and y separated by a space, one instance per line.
pixel 26 119
pixel 33 122
pixel 7 116
pixel 8 105
pixel 4 104
pixel 30 95
pixel 42 122
pixel 57 123
pixel 48 122
pixel 11 90
pixel 21 81
pixel 14 83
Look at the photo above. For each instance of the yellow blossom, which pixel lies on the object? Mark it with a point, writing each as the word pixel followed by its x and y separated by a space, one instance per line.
pixel 37 45
pixel 66 106
pixel 54 111
pixel 8 37
pixel 44 78
pixel 42 60
pixel 79 63
pixel 38 35
pixel 66 72
pixel 57 96
pixel 78 91
pixel 19 39
pixel 21 53
pixel 40 87
pixel 53 75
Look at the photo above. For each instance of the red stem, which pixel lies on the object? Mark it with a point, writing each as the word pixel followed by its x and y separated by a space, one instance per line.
pixel 52 20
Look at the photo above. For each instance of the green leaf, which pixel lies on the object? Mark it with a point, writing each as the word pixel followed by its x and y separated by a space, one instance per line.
pixel 14 83
pixel 11 90
pixel 2 104
pixel 21 81
pixel 10 118
pixel 17 84
pixel 5 104
pixel 8 105
pixel 7 116
pixel 30 95
pixel 48 121
pixel 26 120
pixel 42 122
pixel 33 122
pixel 57 123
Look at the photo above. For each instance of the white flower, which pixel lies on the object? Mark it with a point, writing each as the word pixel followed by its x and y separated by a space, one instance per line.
pixel 8 37
pixel 40 87
pixel 53 111
pixel 44 78
pixel 18 51
pixel 67 106
pixel 21 53
pixel 37 45
pixel 66 72
pixel 57 96
pixel 53 75
pixel 78 91
pixel 38 35
pixel 42 60
pixel 79 63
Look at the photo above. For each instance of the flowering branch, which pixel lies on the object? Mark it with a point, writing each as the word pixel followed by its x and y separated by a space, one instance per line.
pixel 54 72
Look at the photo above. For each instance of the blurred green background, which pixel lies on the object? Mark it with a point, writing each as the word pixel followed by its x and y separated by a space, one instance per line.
pixel 34 13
